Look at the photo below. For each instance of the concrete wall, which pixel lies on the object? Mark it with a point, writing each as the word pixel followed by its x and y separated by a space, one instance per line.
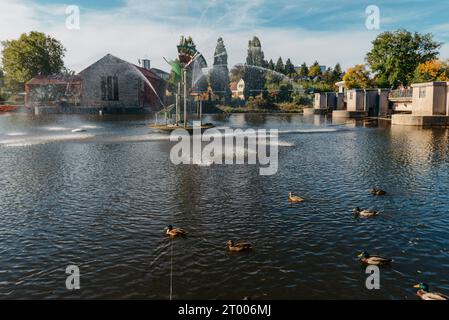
pixel 340 101
pixel 331 100
pixel 371 103
pixel 403 106
pixel 419 120
pixel 384 103
pixel 439 102
pixel 320 101
pixel 326 100
pixel 434 100
pixel 355 100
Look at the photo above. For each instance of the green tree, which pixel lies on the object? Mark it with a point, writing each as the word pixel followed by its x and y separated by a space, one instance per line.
pixel 280 66
pixel 254 74
pixel 315 70
pixel 396 55
pixel 358 78
pixel 290 68
pixel 237 72
pixel 303 70
pixel 337 73
pixel 2 93
pixel 32 54
pixel 219 77
pixel 271 65
pixel 328 76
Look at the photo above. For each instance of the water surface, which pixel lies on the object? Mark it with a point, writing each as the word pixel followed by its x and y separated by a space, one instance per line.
pixel 100 199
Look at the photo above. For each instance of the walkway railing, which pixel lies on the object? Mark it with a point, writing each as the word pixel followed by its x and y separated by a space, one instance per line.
pixel 400 94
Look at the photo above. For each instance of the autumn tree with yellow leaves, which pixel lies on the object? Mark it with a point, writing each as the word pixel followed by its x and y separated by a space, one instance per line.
pixel 433 70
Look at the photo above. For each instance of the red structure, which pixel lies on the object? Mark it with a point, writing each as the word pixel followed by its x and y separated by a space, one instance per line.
pixel 53 90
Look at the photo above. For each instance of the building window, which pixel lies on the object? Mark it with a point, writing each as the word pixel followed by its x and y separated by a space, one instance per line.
pixel 109 88
pixel 350 95
pixel 422 92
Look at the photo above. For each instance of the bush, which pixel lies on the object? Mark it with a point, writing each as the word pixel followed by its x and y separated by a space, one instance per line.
pixel 303 100
pixel 260 103
pixel 289 107
pixel 3 96
pixel 237 103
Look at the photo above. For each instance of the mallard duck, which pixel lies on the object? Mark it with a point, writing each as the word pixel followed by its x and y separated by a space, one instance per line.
pixel 425 294
pixel 175 232
pixel 366 258
pixel 294 199
pixel 367 213
pixel 238 247
pixel 378 192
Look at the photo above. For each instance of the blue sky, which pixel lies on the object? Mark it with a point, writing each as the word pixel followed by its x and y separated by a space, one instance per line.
pixel 329 30
pixel 314 15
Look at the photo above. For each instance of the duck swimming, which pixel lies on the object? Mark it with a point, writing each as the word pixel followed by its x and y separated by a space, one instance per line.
pixel 366 258
pixel 367 213
pixel 238 247
pixel 175 232
pixel 424 293
pixel 294 199
pixel 378 192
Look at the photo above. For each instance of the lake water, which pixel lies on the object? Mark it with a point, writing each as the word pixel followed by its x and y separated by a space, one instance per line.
pixel 100 200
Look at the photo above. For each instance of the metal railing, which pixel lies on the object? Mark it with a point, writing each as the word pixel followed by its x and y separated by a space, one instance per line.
pixel 401 94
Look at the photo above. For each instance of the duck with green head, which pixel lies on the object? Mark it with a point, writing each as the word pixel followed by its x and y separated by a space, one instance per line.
pixel 424 293
pixel 367 259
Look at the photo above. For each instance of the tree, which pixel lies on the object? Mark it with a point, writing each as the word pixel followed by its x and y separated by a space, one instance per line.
pixel 3 96
pixel 32 54
pixel 315 70
pixel 337 73
pixel 237 72
pixel 271 65
pixel 303 70
pixel 280 66
pixel 219 77
pixel 254 76
pixel 328 76
pixel 357 78
pixel 433 70
pixel 396 55
pixel 290 68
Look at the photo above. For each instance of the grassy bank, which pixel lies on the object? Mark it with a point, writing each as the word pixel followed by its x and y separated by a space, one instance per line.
pixel 274 108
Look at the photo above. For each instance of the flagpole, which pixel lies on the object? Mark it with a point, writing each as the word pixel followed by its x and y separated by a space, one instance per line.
pixel 185 98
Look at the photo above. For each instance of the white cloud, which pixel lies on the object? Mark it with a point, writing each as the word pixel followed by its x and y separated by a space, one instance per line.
pixel 137 30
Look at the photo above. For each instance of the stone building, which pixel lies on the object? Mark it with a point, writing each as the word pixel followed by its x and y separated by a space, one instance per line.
pixel 110 85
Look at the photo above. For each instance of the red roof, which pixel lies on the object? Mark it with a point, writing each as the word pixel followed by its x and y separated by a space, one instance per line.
pixel 149 74
pixel 233 86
